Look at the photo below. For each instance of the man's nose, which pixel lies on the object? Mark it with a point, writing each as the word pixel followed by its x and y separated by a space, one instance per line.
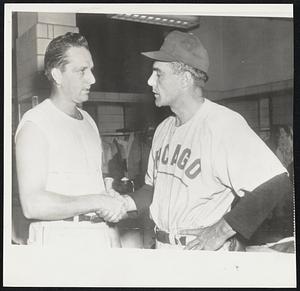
pixel 91 78
pixel 150 81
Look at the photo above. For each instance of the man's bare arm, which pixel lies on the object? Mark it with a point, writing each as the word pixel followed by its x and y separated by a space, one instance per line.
pixel 37 203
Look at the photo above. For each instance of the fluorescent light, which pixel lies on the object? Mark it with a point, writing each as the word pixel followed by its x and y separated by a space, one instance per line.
pixel 179 21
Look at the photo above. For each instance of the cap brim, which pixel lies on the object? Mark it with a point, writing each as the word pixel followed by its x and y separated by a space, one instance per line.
pixel 159 56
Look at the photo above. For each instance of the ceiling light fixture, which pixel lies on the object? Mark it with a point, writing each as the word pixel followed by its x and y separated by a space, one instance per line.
pixel 178 21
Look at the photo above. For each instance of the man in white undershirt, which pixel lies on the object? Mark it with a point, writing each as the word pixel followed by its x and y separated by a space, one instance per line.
pixel 58 156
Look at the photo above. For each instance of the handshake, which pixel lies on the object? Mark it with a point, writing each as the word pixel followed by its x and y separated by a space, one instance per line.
pixel 113 206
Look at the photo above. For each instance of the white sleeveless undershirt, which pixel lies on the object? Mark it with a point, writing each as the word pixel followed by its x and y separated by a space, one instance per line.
pixel 75 150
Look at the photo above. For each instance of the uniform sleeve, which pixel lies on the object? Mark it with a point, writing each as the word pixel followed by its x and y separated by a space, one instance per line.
pixel 242 161
pixel 143 197
pixel 252 209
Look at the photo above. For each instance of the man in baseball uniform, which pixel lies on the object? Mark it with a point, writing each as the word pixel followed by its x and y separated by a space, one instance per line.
pixel 202 158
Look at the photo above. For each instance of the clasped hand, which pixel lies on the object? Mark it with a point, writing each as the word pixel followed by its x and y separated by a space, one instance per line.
pixel 113 207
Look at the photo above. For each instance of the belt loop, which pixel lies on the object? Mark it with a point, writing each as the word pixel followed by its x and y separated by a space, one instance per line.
pixel 177 239
pixel 172 238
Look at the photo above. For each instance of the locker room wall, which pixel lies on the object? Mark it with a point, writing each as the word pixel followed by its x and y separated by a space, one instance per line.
pixel 247 51
pixel 282 109
pixel 262 111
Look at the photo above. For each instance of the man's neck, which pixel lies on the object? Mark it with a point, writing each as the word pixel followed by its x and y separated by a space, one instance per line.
pixel 67 107
pixel 187 108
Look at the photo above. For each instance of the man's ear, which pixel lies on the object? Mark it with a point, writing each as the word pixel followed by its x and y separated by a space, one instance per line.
pixel 56 75
pixel 187 78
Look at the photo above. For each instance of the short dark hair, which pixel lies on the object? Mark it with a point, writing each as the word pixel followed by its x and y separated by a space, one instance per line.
pixel 55 56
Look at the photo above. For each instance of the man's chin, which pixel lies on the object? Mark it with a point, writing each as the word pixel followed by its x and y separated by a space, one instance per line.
pixel 83 98
pixel 158 104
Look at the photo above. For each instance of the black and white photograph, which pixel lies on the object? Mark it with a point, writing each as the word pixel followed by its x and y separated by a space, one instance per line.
pixel 149 145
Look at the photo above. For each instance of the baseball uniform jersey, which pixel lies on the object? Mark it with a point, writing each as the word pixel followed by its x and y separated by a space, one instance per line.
pixel 197 168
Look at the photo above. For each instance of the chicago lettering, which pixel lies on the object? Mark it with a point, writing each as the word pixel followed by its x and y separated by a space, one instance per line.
pixel 180 158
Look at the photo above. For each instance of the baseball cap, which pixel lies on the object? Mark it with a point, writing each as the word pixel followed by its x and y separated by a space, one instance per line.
pixel 182 47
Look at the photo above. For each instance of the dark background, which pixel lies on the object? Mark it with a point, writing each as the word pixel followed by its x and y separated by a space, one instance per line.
pixel 115 46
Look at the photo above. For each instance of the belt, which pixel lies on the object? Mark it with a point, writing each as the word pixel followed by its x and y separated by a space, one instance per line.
pixel 167 238
pixel 164 237
pixel 84 217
